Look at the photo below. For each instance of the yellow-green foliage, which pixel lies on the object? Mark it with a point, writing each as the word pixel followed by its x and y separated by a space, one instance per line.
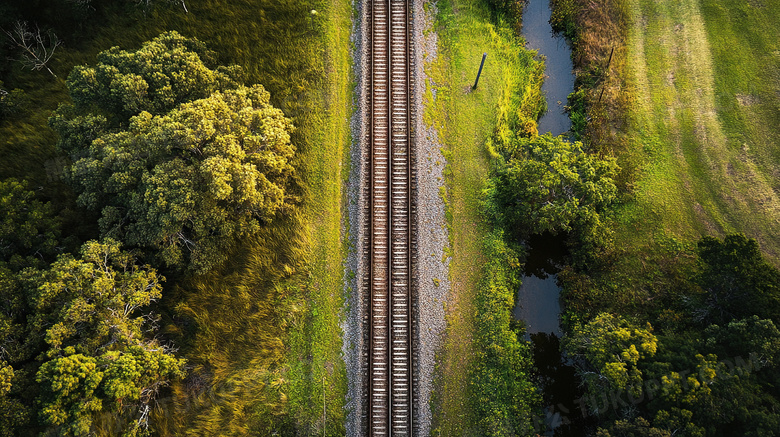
pixel 614 347
pixel 505 400
pixel 238 325
pixel 522 103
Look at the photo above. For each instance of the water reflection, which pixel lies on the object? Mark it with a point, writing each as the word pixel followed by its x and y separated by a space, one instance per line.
pixel 538 303
pixel 538 298
pixel 558 64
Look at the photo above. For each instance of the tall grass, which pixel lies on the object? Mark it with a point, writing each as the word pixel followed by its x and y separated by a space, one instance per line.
pixel 258 331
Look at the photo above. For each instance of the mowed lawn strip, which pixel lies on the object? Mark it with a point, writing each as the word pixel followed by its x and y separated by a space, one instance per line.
pixel 704 120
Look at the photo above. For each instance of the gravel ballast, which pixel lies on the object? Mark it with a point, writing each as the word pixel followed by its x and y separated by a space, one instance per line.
pixel 433 285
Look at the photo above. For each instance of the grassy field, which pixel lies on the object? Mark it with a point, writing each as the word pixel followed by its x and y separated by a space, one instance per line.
pixel 465 120
pixel 705 79
pixel 261 335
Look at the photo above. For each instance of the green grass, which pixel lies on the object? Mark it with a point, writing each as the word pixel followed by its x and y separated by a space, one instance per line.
pixel 465 119
pixel 318 381
pixel 705 80
pixel 261 334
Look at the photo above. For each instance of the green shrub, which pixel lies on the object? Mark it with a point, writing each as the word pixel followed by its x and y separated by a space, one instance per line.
pixel 505 399
pixel 564 17
pixel 548 184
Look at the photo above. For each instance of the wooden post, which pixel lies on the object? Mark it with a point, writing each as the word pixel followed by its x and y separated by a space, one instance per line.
pixel 484 55
pixel 610 58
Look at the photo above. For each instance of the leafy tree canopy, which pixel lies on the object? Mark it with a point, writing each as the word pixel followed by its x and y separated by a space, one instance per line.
pixel 28 230
pixel 737 279
pixel 638 427
pixel 176 160
pixel 747 337
pixel 97 358
pixel 613 347
pixel 550 184
pixel 164 73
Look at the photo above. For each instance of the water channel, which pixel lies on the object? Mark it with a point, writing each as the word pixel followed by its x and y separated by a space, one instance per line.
pixel 538 299
pixel 537 302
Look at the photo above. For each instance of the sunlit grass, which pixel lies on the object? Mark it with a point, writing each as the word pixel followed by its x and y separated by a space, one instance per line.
pixel 465 120
pixel 702 74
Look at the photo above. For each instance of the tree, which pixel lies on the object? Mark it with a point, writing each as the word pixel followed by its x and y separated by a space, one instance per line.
pixel 751 337
pixel 549 184
pixel 164 73
pixel 188 184
pixel 28 230
pixel 175 162
pixel 737 280
pixel 612 348
pixel 6 375
pixel 12 102
pixel 14 309
pixel 98 357
pixel 37 47
pixel 639 427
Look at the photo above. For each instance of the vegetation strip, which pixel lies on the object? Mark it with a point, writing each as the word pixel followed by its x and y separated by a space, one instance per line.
pixel 481 355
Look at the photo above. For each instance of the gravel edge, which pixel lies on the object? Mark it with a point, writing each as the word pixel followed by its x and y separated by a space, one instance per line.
pixel 357 192
pixel 432 233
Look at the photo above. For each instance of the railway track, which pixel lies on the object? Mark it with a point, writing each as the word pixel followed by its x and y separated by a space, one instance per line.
pixel 391 304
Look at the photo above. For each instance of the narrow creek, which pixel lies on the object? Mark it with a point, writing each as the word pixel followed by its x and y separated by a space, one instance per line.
pixel 537 302
pixel 538 299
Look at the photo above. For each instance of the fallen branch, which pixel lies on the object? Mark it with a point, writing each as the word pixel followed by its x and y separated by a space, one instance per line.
pixel 36 52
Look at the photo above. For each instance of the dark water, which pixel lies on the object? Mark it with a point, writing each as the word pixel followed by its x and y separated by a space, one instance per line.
pixel 561 390
pixel 558 65
pixel 538 303
pixel 538 300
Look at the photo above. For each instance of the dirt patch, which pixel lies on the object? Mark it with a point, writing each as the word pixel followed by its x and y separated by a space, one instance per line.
pixel 747 99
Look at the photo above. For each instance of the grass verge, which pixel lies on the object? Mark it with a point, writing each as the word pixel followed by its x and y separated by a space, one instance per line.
pixel 465 120
pixel 317 375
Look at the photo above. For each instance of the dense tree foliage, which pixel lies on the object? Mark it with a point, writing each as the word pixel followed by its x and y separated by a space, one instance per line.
pixel 613 348
pixel 717 350
pixel 28 230
pixel 12 102
pixel 164 73
pixel 547 184
pixel 737 281
pixel 176 156
pixel 638 427
pixel 87 334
